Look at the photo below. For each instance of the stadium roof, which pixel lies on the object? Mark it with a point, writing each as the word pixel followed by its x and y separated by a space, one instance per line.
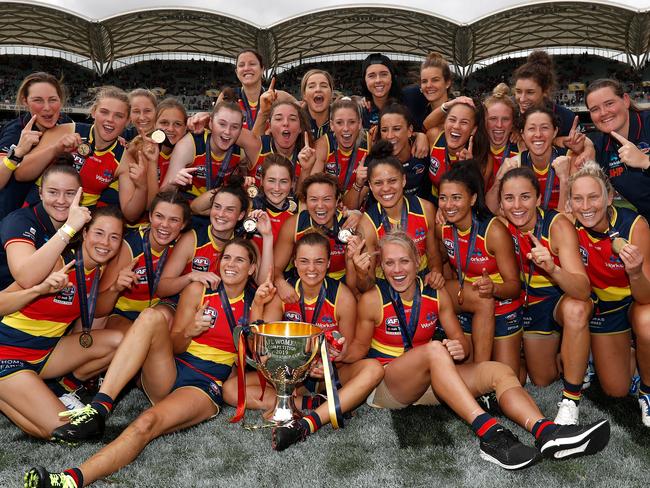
pixel 287 32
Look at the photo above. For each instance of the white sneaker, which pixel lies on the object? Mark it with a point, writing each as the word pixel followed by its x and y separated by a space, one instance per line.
pixel 567 413
pixel 644 403
pixel 71 401
pixel 590 375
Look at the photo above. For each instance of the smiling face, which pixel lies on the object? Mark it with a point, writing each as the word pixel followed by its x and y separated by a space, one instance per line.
pixel 57 193
pixel 318 93
pixel 539 133
pixel 102 240
pixel 400 266
pixel 387 185
pixel 226 126
pixel 459 126
pixel 311 264
pixel 276 184
pixel 589 203
pixel 519 202
pixel 166 223
pixel 111 116
pixel 225 212
pixel 235 265
pixel 321 203
pixel 396 130
pixel 608 111
pixel 249 69
pixel 43 101
pixel 143 114
pixel 285 126
pixel 455 202
pixel 433 84
pixel 498 121
pixel 528 94
pixel 378 80
pixel 172 121
pixel 346 125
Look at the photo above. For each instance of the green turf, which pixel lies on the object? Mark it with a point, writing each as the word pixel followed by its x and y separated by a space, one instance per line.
pixel 418 446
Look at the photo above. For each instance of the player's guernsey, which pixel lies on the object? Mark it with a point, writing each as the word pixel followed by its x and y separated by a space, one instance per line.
pixel 605 269
pixel 387 342
pixel 440 162
pixel 304 224
pixel 136 298
pixel 319 131
pixel 163 166
pixel 207 251
pixel 416 225
pixel 277 216
pixel 480 259
pixel 499 155
pixel 31 333
pixel 268 147
pixel 337 162
pixel 550 197
pixel 539 284
pixel 210 351
pixel 248 108
pixel 326 319
pixel 221 167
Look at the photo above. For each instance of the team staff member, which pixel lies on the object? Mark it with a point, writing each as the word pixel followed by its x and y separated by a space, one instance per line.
pixel 615 245
pixel 397 320
pixel 622 141
pixel 99 159
pixel 181 373
pixel 130 281
pixel 555 289
pixel 480 251
pixel 42 95
pixel 33 346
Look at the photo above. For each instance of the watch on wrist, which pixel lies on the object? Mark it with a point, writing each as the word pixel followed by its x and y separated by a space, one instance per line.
pixel 12 155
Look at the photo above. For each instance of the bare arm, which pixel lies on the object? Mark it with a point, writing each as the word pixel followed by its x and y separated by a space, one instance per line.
pixel 186 326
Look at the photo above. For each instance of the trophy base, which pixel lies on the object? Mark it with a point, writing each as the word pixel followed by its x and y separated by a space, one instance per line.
pixel 284 411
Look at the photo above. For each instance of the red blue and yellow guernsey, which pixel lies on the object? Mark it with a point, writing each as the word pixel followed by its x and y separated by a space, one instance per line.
pixel 31 333
pixel 540 285
pixel 266 149
pixel 199 183
pixel 163 166
pixel 326 319
pixel 439 162
pixel 481 258
pixel 250 113
pixel 543 176
pixel 605 269
pixel 213 352
pixel 134 300
pixel 304 225
pixel 417 226
pixel 277 217
pixel 207 251
pixel 338 160
pixel 498 155
pixel 387 343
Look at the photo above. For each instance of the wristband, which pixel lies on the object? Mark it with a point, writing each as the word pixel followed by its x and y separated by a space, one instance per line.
pixel 11 166
pixel 63 237
pixel 68 230
pixel 357 187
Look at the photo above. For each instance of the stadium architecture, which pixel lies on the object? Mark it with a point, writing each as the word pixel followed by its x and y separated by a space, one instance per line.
pixel 108 35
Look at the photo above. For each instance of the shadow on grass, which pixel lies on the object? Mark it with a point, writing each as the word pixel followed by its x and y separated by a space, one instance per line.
pixel 420 426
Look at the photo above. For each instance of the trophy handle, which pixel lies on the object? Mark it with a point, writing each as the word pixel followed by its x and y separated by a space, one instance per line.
pixel 237 331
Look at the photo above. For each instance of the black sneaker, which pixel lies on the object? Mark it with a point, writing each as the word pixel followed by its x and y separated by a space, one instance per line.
pixel 38 477
pixel 489 403
pixel 570 441
pixel 505 450
pixel 85 423
pixel 288 434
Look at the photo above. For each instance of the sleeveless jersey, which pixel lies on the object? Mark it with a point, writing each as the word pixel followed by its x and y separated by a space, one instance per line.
pixel 248 108
pixel 481 259
pixel 267 148
pixel 498 155
pixel 304 224
pixel 277 217
pixel 326 319
pixel 543 176
pixel 163 166
pixel 387 343
pixel 605 268
pixel 338 161
pixel 439 162
pixel 207 251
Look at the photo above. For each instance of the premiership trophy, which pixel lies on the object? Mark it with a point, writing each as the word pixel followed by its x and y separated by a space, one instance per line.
pixel 283 352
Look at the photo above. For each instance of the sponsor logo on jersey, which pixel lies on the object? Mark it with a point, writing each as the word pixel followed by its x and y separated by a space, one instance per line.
pixel 66 295
pixel 434 166
pixel 584 254
pixel 200 263
pixel 293 316
pixel 392 326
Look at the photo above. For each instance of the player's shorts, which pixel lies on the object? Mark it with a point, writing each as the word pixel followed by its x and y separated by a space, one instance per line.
pixel 615 322
pixel 505 325
pixel 539 317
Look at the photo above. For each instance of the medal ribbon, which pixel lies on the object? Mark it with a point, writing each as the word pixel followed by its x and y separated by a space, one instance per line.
pixel 460 269
pixel 250 121
pixel 351 164
pixel 225 164
pixel 531 263
pixel 87 302
pixel 550 178
pixel 403 222
pixel 407 329
pixel 153 276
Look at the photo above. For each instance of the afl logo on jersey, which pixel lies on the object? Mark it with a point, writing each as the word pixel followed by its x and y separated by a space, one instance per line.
pixel 392 326
pixel 293 316
pixel 200 263
pixel 332 169
pixel 434 166
pixel 141 273
pixel 584 254
pixel 211 313
pixel 449 246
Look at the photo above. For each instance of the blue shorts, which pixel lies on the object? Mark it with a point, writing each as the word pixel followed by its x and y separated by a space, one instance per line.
pixel 505 325
pixel 9 367
pixel 538 318
pixel 127 314
pixel 614 322
pixel 187 375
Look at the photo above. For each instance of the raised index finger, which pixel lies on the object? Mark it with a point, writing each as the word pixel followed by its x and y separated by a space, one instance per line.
pixel 77 198
pixel 30 124
pixel 68 266
pixel 619 138
pixel 534 240
pixel 306 136
pixel 272 85
pixel 133 263
pixel 575 124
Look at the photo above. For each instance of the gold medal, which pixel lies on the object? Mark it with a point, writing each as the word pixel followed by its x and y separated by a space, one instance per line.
pixel 293 206
pixel 345 235
pixel 83 149
pixel 460 296
pixel 252 191
pixel 618 243
pixel 250 225
pixel 85 340
pixel 158 136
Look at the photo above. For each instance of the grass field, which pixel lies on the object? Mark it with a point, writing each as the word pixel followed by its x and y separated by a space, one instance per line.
pixel 419 446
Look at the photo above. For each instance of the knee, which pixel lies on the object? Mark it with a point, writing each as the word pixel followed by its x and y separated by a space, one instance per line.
pixel 151 319
pixel 616 390
pixel 541 379
pixel 485 306
pixel 375 371
pixel 641 324
pixel 437 353
pixel 576 314
pixel 497 377
pixel 145 426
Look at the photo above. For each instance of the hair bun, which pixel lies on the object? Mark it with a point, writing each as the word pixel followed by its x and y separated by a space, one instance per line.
pixel 380 150
pixel 501 91
pixel 229 95
pixel 540 57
